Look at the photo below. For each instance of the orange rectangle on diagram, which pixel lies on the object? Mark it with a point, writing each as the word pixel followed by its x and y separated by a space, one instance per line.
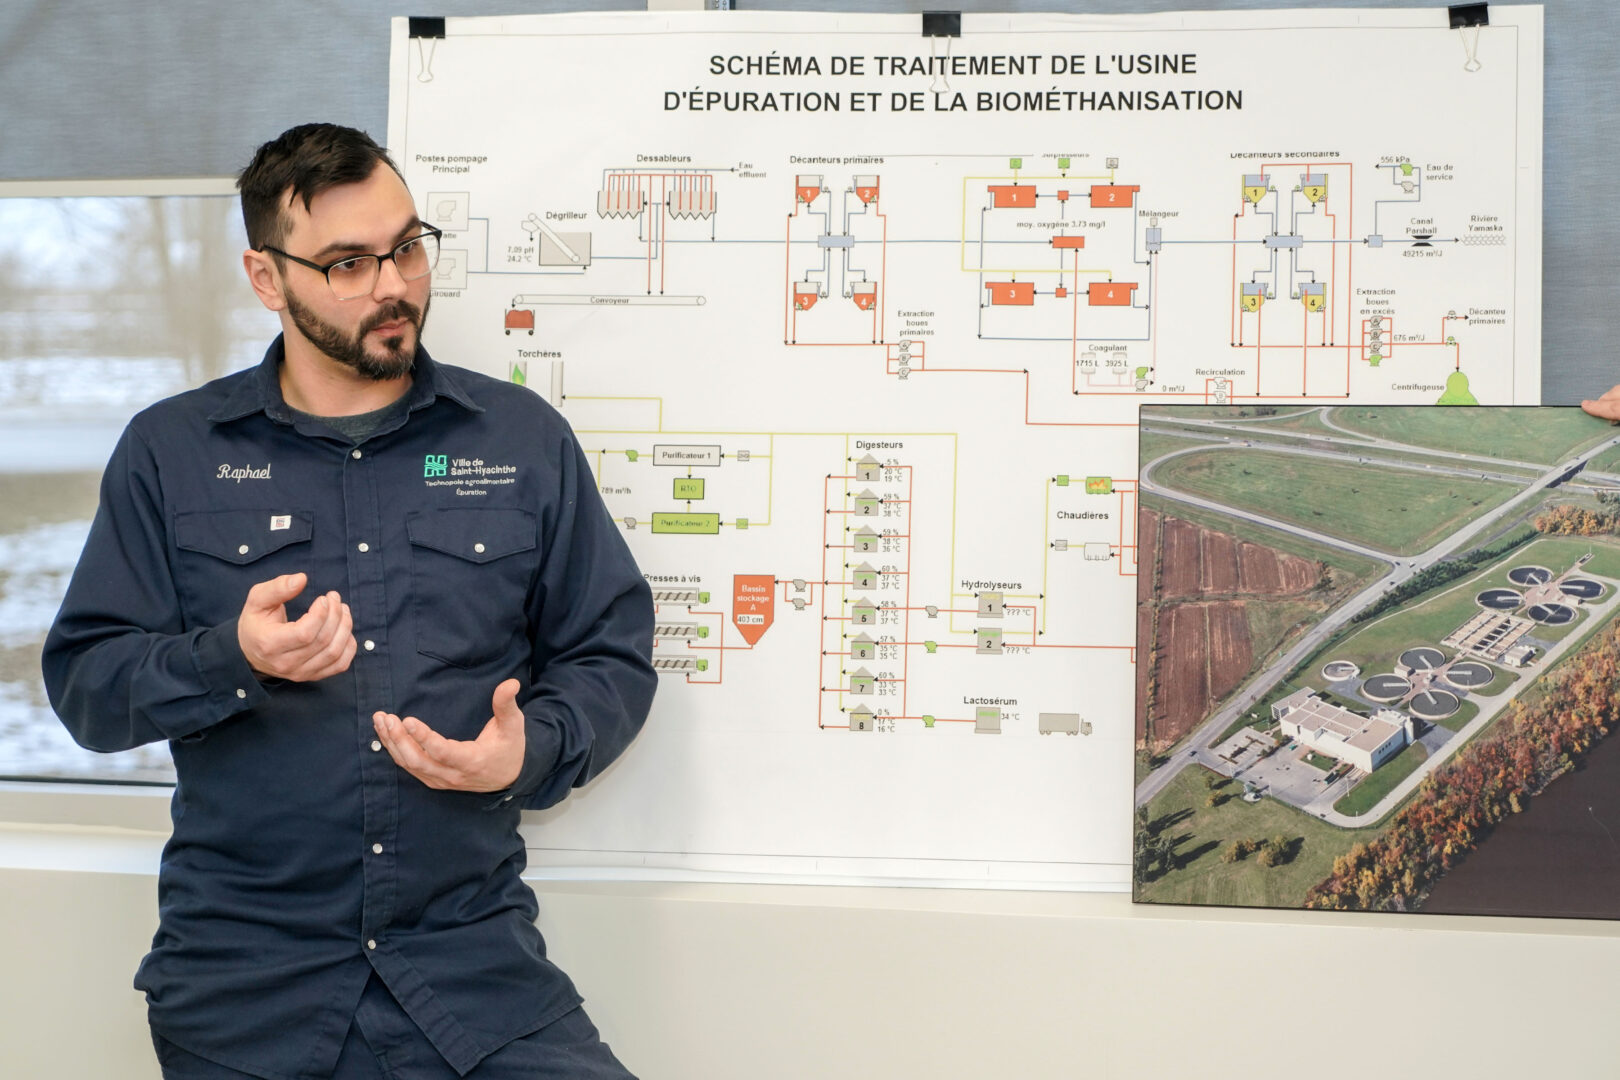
pixel 1068 241
pixel 1012 195
pixel 1011 292
pixel 1110 293
pixel 1121 195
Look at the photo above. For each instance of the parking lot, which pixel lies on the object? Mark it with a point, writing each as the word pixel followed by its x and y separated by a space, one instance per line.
pixel 1284 775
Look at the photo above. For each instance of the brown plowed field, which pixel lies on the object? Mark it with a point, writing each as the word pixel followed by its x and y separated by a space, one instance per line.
pixel 1179 577
pixel 1183 691
pixel 1220 570
pixel 1201 562
pixel 1268 572
pixel 1147 532
pixel 1204 648
pixel 1229 652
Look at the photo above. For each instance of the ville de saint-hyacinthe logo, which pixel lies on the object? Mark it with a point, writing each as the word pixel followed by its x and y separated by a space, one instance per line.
pixel 467 475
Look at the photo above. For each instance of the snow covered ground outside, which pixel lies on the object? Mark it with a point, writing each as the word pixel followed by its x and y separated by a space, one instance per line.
pixel 36 564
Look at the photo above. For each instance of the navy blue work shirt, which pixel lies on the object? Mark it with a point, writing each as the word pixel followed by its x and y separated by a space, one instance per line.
pixel 471 545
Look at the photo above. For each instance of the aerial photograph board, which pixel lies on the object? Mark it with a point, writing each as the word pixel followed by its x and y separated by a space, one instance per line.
pixel 1378 659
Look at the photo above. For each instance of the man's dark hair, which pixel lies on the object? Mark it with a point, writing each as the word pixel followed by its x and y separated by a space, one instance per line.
pixel 307 159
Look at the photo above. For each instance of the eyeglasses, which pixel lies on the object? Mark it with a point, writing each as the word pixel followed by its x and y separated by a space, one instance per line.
pixel 354 276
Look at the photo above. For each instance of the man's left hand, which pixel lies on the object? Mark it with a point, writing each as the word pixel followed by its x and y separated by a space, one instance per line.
pixel 490 762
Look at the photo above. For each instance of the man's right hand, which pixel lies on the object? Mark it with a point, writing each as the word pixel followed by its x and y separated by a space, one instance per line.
pixel 318 644
pixel 1606 407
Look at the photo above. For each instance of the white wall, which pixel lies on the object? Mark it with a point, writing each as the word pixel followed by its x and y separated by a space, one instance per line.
pixel 792 983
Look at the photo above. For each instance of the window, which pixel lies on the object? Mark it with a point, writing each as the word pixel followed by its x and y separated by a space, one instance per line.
pixel 106 305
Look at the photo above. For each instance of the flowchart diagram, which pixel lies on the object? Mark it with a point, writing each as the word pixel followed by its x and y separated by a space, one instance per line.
pixel 861 387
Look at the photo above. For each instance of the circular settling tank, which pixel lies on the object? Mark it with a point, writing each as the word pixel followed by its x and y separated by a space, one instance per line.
pixel 1385 688
pixel 1434 704
pixel 1339 670
pixel 1468 674
pixel 1581 588
pixel 1422 658
pixel 1551 614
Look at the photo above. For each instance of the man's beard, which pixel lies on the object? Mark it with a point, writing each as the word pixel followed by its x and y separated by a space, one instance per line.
pixel 350 351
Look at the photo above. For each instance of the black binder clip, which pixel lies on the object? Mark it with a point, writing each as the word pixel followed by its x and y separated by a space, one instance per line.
pixel 427 33
pixel 1466 19
pixel 936 25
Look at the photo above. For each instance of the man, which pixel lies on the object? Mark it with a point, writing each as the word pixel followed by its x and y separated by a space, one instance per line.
pixel 366 658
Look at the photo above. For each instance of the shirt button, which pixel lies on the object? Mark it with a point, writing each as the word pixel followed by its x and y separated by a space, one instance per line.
pixel 376 849
pixel 243 550
pixel 363 546
pixel 354 453
pixel 370 645
pixel 476 547
pixel 375 746
pixel 241 693
pixel 371 943
pixel 506 798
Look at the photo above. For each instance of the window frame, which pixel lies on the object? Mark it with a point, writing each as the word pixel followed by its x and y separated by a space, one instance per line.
pixel 36 805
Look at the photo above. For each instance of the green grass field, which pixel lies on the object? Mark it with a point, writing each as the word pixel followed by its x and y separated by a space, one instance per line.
pixel 1439 459
pixel 1151 444
pixel 1365 795
pixel 1319 761
pixel 1557 553
pixel 1466 711
pixel 1377 645
pixel 1546 436
pixel 1203 832
pixel 1608 461
pixel 1308 422
pixel 1504 679
pixel 1399 512
pixel 1274 623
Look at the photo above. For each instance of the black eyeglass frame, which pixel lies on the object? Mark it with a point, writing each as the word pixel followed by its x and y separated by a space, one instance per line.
pixel 326 271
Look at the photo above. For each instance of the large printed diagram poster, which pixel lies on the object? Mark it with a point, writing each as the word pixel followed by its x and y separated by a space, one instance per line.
pixel 855 326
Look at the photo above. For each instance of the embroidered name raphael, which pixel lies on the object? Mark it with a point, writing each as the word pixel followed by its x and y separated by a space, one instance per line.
pixel 243 472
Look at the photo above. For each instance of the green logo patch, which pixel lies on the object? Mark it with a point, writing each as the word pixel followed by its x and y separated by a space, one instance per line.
pixel 435 465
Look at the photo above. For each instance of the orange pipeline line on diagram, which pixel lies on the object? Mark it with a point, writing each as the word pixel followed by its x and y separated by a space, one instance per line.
pixel 905 655
pixel 1025 373
pixel 1124 516
pixel 821 658
pixel 720 672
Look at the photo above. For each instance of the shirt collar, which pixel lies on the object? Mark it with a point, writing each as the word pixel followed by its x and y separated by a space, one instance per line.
pixel 261 391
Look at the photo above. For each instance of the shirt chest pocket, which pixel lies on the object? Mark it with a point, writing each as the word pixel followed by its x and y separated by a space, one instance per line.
pixel 224 553
pixel 470 576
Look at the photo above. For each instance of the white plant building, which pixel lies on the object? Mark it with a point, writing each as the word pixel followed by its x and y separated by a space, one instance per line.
pixel 1366 742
